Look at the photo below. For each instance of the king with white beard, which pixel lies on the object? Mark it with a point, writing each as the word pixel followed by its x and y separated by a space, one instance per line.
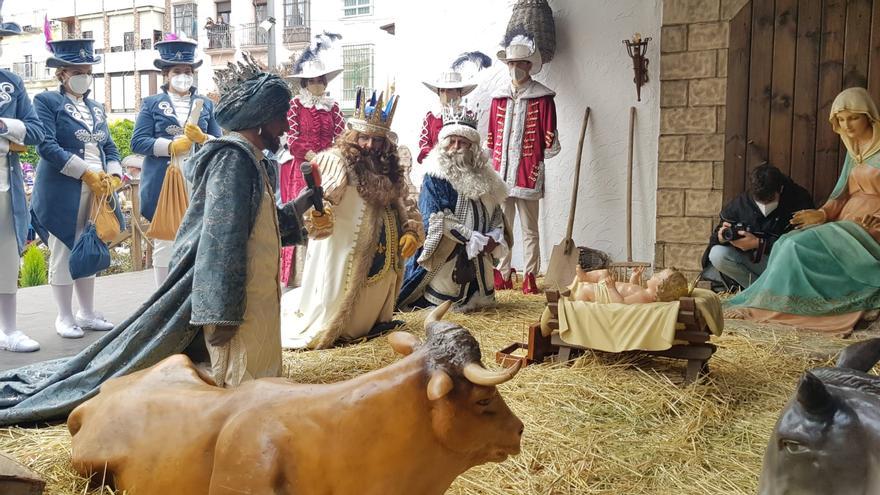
pixel 460 202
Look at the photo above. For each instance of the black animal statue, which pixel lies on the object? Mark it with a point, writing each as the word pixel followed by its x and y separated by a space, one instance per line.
pixel 827 439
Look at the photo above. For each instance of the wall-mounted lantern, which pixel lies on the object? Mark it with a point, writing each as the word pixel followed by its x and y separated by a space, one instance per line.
pixel 637 48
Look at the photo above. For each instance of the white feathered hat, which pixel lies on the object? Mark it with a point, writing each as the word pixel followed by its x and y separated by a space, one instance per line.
pixel 520 45
pixel 453 79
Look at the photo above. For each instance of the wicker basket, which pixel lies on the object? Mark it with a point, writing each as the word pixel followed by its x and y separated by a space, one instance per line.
pixel 536 17
pixel 592 259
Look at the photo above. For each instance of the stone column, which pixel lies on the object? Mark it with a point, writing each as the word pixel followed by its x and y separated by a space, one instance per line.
pixel 693 93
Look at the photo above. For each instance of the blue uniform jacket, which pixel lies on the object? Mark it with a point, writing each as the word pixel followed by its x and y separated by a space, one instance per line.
pixel 57 188
pixel 15 104
pixel 156 126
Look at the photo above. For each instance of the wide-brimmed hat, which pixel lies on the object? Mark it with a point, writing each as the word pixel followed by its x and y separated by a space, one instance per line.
pixel 450 80
pixel 176 52
pixel 309 64
pixel 8 28
pixel 308 69
pixel 522 47
pixel 67 53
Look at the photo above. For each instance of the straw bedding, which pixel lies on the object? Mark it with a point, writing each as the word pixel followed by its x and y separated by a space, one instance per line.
pixel 602 425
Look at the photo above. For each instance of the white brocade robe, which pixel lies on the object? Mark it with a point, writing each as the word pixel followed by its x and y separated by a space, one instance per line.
pixel 343 293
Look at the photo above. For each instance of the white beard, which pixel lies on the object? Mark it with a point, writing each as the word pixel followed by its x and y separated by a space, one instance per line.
pixel 470 173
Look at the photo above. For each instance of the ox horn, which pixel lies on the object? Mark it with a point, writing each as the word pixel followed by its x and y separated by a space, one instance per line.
pixel 403 343
pixel 814 397
pixel 439 385
pixel 437 314
pixel 478 375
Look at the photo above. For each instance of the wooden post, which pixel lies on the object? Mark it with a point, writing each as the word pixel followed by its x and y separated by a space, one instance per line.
pixel 629 186
pixel 137 260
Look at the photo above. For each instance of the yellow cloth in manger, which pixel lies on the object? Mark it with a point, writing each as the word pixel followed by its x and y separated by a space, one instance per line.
pixel 614 327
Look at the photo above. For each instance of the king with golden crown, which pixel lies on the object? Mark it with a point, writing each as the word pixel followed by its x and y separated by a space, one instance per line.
pixel 354 270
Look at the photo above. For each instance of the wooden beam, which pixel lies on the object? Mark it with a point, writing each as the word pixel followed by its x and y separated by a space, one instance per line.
pixel 738 55
pixel 760 83
pixel 782 96
pixel 831 48
pixel 806 85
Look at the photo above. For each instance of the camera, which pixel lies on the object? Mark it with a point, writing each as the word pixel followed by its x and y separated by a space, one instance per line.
pixel 732 233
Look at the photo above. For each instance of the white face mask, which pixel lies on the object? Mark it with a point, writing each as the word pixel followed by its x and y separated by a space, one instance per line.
pixel 182 82
pixel 767 208
pixel 316 89
pixel 517 74
pixel 80 84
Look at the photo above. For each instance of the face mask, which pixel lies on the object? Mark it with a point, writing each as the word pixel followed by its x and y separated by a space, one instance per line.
pixel 517 74
pixel 316 89
pixel 80 84
pixel 767 208
pixel 182 82
pixel 449 99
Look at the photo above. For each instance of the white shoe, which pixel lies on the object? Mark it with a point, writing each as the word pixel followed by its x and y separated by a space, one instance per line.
pixel 18 342
pixel 68 331
pixel 96 322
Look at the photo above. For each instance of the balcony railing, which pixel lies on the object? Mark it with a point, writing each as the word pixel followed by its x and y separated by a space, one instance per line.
pixel 31 71
pixel 297 34
pixel 252 35
pixel 220 37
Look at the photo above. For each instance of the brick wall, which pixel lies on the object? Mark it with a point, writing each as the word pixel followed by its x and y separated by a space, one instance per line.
pixel 693 88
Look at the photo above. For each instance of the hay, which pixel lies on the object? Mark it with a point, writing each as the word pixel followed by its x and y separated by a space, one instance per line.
pixel 601 425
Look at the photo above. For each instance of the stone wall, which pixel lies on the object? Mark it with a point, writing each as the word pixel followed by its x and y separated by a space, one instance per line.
pixel 693 89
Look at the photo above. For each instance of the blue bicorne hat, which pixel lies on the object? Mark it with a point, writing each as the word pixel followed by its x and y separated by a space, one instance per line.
pixel 8 28
pixel 176 52
pixel 66 53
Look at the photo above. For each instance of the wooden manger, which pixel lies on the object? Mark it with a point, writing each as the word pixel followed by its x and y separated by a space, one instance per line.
pixel 691 343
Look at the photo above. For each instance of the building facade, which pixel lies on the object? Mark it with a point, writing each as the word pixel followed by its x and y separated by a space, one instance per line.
pixel 226 28
pixel 124 32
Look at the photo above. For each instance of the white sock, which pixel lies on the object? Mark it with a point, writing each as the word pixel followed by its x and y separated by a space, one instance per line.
pixel 63 295
pixel 160 273
pixel 85 295
pixel 7 313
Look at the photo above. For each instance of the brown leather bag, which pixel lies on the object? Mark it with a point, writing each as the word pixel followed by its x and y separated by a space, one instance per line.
pixel 172 204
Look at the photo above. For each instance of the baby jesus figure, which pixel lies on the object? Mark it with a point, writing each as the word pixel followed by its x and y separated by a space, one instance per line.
pixel 601 286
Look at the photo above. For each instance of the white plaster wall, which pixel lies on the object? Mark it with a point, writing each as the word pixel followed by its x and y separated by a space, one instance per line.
pixel 591 67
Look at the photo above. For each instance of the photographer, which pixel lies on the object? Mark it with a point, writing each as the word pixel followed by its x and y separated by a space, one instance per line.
pixel 750 224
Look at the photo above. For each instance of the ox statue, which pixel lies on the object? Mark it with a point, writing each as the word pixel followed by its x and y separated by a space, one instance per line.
pixel 409 428
pixel 827 440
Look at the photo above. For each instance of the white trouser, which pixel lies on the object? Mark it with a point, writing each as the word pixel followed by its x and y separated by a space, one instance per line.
pixel 528 221
pixel 9 260
pixel 59 254
pixel 162 253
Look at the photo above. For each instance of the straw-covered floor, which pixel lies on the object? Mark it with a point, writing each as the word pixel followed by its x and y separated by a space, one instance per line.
pixel 601 425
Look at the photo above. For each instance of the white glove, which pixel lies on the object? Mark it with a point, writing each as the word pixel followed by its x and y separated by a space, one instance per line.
pixel 501 249
pixel 476 244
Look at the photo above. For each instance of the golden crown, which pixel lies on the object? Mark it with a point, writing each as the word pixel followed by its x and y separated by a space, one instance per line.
pixel 373 115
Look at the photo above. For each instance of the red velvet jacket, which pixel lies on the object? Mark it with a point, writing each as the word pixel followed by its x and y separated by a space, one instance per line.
pixel 430 130
pixel 312 128
pixel 538 141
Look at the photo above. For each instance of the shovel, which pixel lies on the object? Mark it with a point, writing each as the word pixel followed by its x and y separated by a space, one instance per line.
pixel 564 257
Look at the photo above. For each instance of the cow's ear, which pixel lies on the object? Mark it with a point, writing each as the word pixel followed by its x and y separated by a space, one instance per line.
pixel 815 398
pixel 403 343
pixel 439 385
